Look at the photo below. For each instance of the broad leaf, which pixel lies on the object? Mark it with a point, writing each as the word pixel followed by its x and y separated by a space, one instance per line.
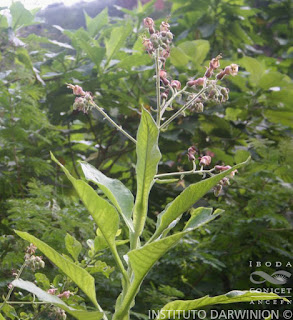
pixel 230 297
pixel 117 39
pixel 114 189
pixel 94 25
pixel 46 297
pixel 78 275
pixel 196 50
pixel 188 197
pixel 20 15
pixel 104 214
pixel 73 246
pixel 142 259
pixel 148 157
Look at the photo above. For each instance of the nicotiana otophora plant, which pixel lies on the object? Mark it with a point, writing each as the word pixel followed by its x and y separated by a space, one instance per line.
pixel 118 202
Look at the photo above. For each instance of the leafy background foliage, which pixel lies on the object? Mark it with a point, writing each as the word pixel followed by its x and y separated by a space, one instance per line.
pixel 106 57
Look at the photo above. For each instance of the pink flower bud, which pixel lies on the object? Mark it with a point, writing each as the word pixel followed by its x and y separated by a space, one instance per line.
pixel 77 90
pixel 164 26
pixel 191 153
pixel 215 63
pixel 52 291
pixel 225 182
pixel 163 74
pixel 232 173
pixel 148 22
pixel 164 95
pixel 31 249
pixel 176 84
pixel 205 161
pixel 222 168
pixel 230 70
pixel 209 72
pixel 65 294
pixel 196 82
pixel 148 45
pixel 165 54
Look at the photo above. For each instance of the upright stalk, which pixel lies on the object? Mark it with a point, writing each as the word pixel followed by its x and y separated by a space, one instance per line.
pixel 158 92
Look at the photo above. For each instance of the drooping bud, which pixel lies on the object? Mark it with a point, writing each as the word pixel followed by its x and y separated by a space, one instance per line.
pixel 205 161
pixel 77 90
pixel 209 72
pixel 149 47
pixel 217 190
pixel 148 22
pixel 52 291
pixel 225 181
pixel 222 168
pixel 163 74
pixel 65 294
pixel 176 84
pixel 215 63
pixel 229 70
pixel 196 82
pixel 191 153
pixel 164 26
pixel 164 95
pixel 31 249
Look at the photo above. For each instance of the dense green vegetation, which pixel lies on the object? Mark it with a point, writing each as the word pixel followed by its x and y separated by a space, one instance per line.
pixel 108 59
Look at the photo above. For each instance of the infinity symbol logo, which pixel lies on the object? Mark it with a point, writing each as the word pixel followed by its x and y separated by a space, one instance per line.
pixel 278 277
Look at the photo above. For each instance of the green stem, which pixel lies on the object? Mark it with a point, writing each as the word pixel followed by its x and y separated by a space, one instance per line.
pixel 168 103
pixel 11 289
pixel 188 104
pixel 113 122
pixel 158 92
pixel 184 173
pixel 121 267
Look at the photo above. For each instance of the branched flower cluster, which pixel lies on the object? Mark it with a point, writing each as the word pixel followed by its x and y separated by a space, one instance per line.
pixel 84 101
pixel 196 91
pixel 158 46
pixel 32 261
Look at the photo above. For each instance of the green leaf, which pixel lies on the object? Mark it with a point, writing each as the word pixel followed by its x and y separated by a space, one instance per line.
pixel 104 214
pixel 178 57
pixel 230 297
pixel 142 259
pixel 148 157
pixel 96 54
pixel 51 299
pixel 73 246
pixel 135 60
pixel 201 216
pixel 196 50
pixel 1 317
pixel 283 117
pixel 241 155
pixel 20 15
pixel 78 275
pixel 188 197
pixel 114 189
pixel 117 39
pixel 254 67
pixel 273 79
pixel 94 25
